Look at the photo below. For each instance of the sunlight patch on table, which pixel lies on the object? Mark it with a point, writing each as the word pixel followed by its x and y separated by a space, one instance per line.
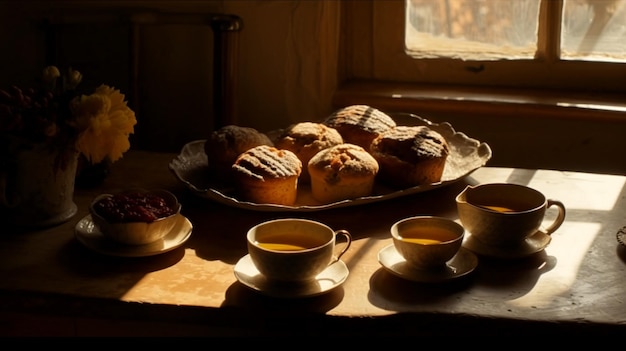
pixel 569 245
pixel 601 196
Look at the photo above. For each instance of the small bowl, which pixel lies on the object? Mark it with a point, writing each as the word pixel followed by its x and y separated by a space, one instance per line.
pixel 121 223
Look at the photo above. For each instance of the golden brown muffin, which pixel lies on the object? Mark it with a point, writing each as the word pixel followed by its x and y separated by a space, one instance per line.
pixel 341 172
pixel 267 175
pixel 410 155
pixel 225 144
pixel 306 139
pixel 360 124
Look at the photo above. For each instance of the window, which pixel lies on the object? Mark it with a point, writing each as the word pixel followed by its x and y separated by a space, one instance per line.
pixel 590 30
pixel 472 29
pixel 573 45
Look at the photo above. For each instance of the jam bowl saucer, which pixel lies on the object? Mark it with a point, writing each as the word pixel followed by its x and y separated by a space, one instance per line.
pixel 88 233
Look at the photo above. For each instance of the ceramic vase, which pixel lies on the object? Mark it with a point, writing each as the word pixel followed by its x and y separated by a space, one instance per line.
pixel 37 184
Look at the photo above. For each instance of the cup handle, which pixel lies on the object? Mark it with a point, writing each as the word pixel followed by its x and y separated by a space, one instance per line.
pixel 348 237
pixel 560 218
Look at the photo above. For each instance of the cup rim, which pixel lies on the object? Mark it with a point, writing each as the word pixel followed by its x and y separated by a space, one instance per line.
pixel 395 234
pixel 521 187
pixel 250 231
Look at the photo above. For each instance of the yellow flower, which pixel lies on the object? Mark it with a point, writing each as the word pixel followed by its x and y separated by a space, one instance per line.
pixel 73 79
pixel 98 125
pixel 105 123
pixel 50 74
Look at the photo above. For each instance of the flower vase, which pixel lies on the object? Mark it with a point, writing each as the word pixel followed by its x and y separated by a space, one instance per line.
pixel 90 175
pixel 37 184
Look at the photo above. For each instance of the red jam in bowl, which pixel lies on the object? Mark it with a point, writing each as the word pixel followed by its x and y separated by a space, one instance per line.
pixel 133 207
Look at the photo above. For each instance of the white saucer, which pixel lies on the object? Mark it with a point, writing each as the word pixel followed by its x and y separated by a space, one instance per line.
pixel 531 245
pixel 333 276
pixel 463 263
pixel 89 235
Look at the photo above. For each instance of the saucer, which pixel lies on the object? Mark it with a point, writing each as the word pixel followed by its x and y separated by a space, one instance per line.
pixel 531 245
pixel 89 235
pixel 463 263
pixel 333 276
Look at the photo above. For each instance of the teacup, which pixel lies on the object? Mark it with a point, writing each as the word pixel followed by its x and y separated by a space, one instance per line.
pixel 427 242
pixel 293 249
pixel 501 214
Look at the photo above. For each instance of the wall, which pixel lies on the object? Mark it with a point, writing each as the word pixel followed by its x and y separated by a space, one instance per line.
pixel 288 72
pixel 287 69
pixel 288 60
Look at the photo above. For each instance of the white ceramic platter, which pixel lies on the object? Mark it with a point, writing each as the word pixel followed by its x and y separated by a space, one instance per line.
pixel 466 155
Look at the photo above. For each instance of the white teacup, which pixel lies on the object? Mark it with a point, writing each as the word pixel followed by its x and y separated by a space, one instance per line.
pixel 427 242
pixel 505 214
pixel 294 249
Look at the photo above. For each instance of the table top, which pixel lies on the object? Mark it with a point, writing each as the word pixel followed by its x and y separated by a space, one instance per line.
pixel 579 278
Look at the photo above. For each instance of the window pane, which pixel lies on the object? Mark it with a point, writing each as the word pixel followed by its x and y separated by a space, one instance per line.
pixel 472 29
pixel 594 30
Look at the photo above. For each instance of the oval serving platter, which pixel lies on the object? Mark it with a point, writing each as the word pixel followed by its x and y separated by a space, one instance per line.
pixel 466 155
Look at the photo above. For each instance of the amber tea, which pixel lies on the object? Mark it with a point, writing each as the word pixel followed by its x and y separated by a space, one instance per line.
pixel 288 242
pixel 500 208
pixel 428 235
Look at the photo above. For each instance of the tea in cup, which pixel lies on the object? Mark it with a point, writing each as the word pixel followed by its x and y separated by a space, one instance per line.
pixel 293 249
pixel 427 242
pixel 504 214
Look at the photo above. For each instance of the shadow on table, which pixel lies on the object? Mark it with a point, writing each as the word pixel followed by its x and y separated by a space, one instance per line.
pixel 621 252
pixel 91 265
pixel 240 296
pixel 493 281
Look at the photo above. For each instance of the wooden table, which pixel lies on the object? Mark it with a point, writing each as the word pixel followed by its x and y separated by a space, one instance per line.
pixel 50 284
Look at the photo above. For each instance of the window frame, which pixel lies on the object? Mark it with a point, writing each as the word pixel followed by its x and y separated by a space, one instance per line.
pixel 373 49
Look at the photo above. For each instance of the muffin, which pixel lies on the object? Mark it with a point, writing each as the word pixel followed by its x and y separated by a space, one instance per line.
pixel 306 139
pixel 360 124
pixel 410 155
pixel 267 175
pixel 340 172
pixel 225 144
